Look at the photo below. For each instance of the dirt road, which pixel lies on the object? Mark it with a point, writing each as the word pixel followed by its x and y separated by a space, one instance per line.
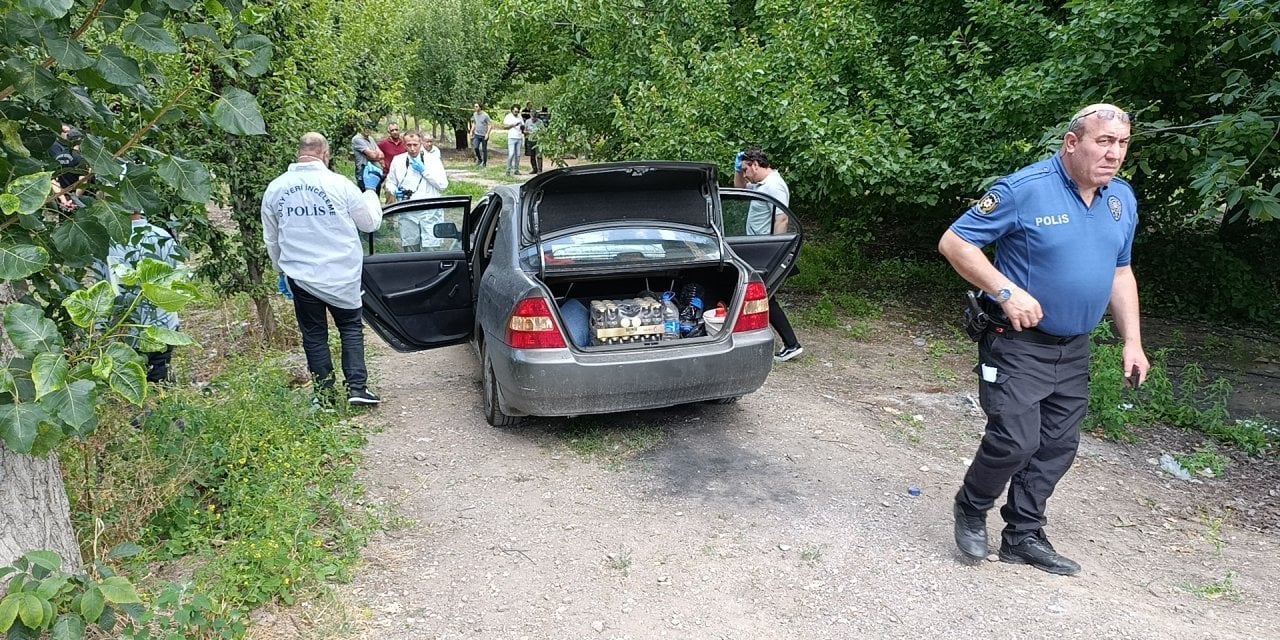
pixel 784 516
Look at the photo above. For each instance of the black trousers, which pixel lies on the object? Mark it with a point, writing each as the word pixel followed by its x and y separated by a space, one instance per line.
pixel 315 339
pixel 535 157
pixel 1035 397
pixel 778 320
pixel 158 365
pixel 480 145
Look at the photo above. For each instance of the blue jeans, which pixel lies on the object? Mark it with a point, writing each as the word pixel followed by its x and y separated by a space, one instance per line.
pixel 315 339
pixel 480 144
pixel 513 154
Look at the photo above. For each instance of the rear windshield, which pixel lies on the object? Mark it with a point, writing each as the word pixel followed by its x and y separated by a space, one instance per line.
pixel 623 246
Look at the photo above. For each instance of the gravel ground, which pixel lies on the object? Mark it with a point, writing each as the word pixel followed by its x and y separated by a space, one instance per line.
pixel 786 515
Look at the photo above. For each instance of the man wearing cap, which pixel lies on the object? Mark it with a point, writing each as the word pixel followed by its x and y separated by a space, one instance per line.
pixel 1063 233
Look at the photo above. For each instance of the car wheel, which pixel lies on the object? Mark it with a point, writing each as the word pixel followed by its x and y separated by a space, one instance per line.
pixel 729 400
pixel 492 412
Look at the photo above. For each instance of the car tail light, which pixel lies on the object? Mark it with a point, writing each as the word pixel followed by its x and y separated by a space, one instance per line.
pixel 533 326
pixel 755 309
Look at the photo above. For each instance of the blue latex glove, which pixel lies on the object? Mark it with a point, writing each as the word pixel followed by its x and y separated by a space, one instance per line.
pixel 372 176
pixel 418 166
pixel 399 195
pixel 737 161
pixel 283 285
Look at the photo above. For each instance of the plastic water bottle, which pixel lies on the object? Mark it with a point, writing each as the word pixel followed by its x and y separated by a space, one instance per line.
pixel 670 317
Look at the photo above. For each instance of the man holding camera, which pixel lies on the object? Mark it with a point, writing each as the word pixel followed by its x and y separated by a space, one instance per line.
pixel 416 174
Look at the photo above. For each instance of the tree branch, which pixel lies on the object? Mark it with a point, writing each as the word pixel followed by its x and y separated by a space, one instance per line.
pixel 75 35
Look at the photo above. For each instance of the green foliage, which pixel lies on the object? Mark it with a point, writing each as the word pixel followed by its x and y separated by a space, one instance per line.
pixel 43 599
pixel 1206 461
pixel 1193 402
pixel 460 59
pixel 242 481
pixel 265 475
pixel 887 118
pixel 69 61
pixel 49 390
pixel 320 73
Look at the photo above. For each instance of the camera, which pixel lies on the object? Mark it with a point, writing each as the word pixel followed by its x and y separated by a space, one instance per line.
pixel 404 194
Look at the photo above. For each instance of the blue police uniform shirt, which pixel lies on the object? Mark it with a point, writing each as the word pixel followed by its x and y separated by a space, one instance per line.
pixel 1049 243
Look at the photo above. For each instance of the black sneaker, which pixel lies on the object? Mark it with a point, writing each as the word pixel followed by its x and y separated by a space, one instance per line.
pixel 362 396
pixel 788 353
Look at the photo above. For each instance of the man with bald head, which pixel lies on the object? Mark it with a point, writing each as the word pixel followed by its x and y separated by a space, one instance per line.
pixel 1063 233
pixel 311 219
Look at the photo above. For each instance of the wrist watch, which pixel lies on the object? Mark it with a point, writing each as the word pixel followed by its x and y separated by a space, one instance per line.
pixel 1006 292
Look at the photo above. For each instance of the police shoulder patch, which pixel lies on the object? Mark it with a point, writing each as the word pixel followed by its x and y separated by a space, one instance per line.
pixel 988 203
pixel 1113 203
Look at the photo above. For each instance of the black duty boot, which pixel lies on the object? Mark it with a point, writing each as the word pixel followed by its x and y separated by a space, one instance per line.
pixel 1036 551
pixel 971 533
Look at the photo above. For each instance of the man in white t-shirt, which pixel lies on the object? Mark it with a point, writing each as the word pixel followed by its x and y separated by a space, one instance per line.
pixel 311 224
pixel 514 124
pixel 751 169
pixel 416 174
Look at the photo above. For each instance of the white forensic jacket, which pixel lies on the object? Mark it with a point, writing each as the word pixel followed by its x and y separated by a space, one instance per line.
pixel 311 219
pixel 430 184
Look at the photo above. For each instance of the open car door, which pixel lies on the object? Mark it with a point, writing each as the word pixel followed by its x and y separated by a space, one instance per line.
pixel 416 276
pixel 772 256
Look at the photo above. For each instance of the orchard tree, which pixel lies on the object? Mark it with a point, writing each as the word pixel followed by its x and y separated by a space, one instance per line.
pixel 115 70
pixel 460 59
pixel 325 67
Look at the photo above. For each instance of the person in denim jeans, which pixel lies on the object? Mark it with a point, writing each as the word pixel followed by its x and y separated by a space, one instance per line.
pixel 481 129
pixel 514 124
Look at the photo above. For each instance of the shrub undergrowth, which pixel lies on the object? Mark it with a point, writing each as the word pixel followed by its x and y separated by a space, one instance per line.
pixel 240 488
pixel 1193 402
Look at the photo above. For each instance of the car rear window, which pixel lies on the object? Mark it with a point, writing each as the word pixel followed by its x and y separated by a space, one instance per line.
pixel 623 246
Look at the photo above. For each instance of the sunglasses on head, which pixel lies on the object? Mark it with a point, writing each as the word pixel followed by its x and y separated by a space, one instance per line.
pixel 1103 114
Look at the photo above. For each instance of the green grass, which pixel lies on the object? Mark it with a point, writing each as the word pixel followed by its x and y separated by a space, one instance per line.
pixel 241 483
pixel 1206 461
pixel 1193 402
pixel 460 187
pixel 1224 588
pixel 610 445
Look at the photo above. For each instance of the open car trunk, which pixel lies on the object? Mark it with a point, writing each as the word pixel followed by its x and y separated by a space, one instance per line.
pixel 597 311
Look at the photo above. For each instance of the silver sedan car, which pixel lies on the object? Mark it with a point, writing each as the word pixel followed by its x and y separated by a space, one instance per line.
pixel 589 289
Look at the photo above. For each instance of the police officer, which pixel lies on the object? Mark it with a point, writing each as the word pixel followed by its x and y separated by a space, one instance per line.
pixel 310 222
pixel 1063 232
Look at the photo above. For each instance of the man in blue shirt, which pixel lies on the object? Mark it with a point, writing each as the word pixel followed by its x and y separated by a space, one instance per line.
pixel 1063 232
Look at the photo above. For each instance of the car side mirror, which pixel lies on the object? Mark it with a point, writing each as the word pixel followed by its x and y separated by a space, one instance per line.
pixel 445 230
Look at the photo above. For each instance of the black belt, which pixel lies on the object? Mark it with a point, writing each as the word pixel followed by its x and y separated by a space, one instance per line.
pixel 1031 334
pixel 1000 326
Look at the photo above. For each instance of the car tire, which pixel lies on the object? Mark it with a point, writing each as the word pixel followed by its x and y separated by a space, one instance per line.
pixel 492 411
pixel 729 400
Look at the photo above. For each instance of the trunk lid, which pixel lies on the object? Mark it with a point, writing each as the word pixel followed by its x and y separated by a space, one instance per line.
pixel 636 194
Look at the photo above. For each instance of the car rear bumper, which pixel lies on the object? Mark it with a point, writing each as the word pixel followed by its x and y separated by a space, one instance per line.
pixel 562 382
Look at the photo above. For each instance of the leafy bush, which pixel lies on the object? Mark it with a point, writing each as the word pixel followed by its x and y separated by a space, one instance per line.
pixel 70 606
pixel 1174 276
pixel 1194 403
pixel 242 481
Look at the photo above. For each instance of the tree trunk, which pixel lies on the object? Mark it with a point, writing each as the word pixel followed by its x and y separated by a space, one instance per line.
pixel 34 513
